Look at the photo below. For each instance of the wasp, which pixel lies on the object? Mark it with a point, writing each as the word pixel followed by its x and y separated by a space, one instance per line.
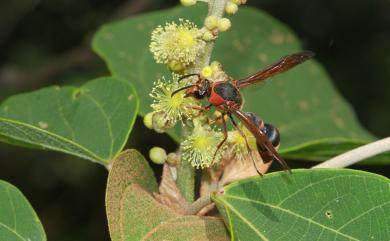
pixel 225 96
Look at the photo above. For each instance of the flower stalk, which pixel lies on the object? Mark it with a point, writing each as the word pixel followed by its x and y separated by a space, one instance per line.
pixel 186 172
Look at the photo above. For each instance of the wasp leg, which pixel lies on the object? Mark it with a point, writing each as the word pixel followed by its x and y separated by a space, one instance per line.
pixel 200 108
pixel 246 142
pixel 225 135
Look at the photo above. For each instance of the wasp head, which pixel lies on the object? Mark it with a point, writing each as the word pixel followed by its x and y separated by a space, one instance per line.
pixel 199 90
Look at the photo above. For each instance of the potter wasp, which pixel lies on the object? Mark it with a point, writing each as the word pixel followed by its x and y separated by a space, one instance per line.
pixel 226 97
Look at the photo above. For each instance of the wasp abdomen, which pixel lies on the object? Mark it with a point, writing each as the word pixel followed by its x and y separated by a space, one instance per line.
pixel 255 119
pixel 272 134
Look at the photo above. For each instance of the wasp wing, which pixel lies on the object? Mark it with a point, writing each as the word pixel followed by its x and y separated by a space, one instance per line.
pixel 280 66
pixel 266 149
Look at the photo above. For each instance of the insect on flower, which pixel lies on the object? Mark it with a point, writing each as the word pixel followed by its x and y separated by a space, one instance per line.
pixel 226 97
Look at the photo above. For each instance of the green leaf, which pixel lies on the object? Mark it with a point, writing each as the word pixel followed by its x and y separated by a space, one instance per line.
pixel 133 214
pixel 314 120
pixel 92 122
pixel 328 204
pixel 18 220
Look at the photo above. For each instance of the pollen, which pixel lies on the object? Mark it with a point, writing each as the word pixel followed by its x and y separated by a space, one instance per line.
pixel 174 108
pixel 207 72
pixel 200 148
pixel 179 43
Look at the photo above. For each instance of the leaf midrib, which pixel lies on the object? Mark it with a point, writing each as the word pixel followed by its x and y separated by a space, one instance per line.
pixel 51 134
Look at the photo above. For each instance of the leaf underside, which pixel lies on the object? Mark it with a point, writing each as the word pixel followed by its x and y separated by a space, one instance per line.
pixel 133 214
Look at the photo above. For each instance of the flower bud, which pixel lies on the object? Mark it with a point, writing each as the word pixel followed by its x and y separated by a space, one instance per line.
pixel 231 8
pixel 237 2
pixel 224 24
pixel 176 66
pixel 148 120
pixel 172 159
pixel 187 2
pixel 207 72
pixel 211 22
pixel 208 36
pixel 216 66
pixel 158 155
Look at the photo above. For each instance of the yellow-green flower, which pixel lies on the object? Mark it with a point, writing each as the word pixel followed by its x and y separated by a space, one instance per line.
pixel 177 43
pixel 200 147
pixel 171 108
pixel 238 146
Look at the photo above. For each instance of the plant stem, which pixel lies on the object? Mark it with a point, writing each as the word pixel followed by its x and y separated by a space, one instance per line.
pixel 185 172
pixel 357 154
pixel 200 203
pixel 216 8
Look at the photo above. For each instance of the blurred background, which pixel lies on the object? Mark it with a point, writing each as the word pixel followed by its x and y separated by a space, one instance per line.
pixel 47 42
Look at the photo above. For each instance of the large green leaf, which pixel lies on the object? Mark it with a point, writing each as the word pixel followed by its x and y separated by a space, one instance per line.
pixel 331 204
pixel 133 213
pixel 18 221
pixel 92 122
pixel 303 104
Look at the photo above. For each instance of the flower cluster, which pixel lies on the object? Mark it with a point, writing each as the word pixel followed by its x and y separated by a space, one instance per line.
pixel 200 148
pixel 177 45
pixel 182 47
pixel 239 142
pixel 169 109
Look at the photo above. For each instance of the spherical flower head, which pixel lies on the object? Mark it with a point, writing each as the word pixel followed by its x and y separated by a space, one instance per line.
pixel 172 108
pixel 200 147
pixel 238 144
pixel 179 43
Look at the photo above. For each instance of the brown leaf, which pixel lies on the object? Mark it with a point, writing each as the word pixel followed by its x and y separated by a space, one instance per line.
pixel 127 168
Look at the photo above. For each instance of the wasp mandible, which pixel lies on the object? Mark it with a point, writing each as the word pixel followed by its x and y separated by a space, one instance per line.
pixel 226 97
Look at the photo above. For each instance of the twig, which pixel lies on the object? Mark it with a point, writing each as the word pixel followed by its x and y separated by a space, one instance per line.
pixel 200 203
pixel 357 154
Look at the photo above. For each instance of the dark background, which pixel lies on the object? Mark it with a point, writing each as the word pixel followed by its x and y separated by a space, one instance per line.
pixel 46 42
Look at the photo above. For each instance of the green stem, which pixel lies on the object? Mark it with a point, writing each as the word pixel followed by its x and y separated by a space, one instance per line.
pixel 200 203
pixel 217 9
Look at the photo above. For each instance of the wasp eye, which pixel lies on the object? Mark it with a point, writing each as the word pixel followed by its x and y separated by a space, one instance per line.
pixel 199 95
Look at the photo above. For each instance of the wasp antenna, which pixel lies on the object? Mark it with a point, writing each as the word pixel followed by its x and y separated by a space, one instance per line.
pixel 186 76
pixel 306 54
pixel 180 89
